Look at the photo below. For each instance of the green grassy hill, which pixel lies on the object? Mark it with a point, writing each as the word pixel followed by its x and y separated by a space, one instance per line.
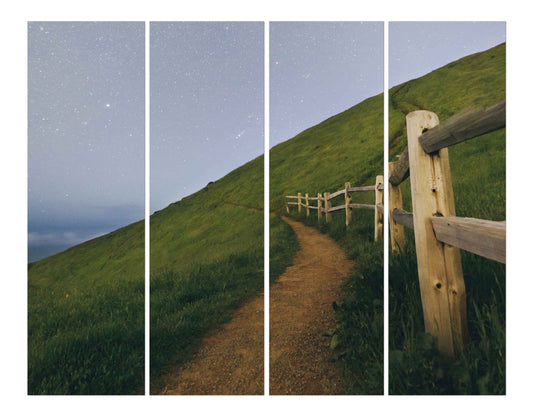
pixel 86 305
pixel 478 175
pixel 86 317
pixel 347 147
pixel 206 259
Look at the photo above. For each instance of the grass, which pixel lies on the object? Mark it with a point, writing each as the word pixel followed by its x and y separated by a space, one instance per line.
pixel 345 147
pixel 86 317
pixel 206 260
pixel 283 246
pixel 86 305
pixel 359 328
pixel 478 175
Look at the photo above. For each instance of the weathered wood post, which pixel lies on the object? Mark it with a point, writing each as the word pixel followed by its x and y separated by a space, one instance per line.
pixel 348 199
pixel 287 205
pixel 397 231
pixel 299 203
pixel 378 216
pixel 319 204
pixel 439 266
pixel 327 205
pixel 307 204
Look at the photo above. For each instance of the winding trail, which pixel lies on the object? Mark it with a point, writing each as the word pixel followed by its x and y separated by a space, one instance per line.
pixel 301 311
pixel 230 359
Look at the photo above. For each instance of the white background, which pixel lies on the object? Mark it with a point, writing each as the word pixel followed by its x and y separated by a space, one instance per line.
pixel 13 101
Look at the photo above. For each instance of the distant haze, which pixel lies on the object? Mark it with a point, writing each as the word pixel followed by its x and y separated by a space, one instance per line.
pixel 206 99
pixel 319 69
pixel 85 132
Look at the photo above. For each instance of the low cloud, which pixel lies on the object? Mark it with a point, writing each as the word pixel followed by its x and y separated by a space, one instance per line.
pixel 60 238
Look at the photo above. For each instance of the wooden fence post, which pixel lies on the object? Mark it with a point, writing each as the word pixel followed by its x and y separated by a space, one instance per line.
pixel 319 204
pixel 327 205
pixel 439 266
pixel 378 216
pixel 397 231
pixel 299 203
pixel 307 205
pixel 287 205
pixel 348 199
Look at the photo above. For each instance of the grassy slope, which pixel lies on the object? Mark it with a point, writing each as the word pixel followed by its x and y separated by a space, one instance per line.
pixel 478 174
pixel 206 259
pixel 345 147
pixel 86 317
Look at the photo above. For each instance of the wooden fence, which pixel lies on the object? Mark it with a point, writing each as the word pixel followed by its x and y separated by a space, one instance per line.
pixel 439 234
pixel 327 209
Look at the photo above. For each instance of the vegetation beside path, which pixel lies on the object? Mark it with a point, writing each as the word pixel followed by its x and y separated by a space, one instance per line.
pixel 345 147
pixel 478 175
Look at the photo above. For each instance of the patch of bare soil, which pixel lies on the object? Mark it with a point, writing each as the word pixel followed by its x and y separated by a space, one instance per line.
pixel 230 360
pixel 301 311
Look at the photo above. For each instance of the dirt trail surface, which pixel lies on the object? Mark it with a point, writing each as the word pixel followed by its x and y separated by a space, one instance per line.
pixel 230 359
pixel 301 311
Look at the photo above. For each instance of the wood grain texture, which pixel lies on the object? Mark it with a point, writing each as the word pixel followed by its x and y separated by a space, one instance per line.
pixel 363 206
pixel 439 267
pixel 466 125
pixel 402 217
pixel 482 237
pixel 336 193
pixel 378 216
pixel 397 232
pixel 363 188
pixel 327 206
pixel 319 204
pixel 401 169
pixel 348 200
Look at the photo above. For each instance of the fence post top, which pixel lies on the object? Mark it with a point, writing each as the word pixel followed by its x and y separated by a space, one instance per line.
pixel 423 114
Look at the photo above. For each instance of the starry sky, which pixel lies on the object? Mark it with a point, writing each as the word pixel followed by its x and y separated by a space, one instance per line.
pixel 319 69
pixel 206 104
pixel 85 131
pixel 417 48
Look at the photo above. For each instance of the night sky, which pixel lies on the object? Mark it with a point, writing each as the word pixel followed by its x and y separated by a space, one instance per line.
pixel 86 104
pixel 417 48
pixel 85 133
pixel 319 69
pixel 206 99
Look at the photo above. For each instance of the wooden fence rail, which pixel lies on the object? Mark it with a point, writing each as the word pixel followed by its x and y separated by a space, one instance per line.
pixel 439 234
pixel 324 204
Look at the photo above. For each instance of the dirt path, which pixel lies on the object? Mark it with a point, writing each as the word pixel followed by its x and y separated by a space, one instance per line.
pixel 301 311
pixel 230 360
